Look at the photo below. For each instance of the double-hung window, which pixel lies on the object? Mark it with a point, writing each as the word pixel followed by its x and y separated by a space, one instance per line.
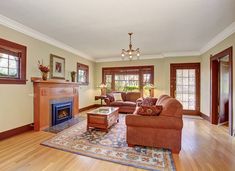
pixel 12 63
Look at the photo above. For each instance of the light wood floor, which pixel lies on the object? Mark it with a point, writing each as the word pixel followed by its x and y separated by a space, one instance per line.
pixel 205 147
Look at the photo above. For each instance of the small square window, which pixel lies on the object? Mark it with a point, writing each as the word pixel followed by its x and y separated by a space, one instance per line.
pixel 12 63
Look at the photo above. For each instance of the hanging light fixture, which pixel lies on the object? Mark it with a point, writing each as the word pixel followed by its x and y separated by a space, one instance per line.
pixel 130 52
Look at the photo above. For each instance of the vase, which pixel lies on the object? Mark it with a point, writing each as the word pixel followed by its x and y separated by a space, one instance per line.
pixel 44 75
pixel 73 77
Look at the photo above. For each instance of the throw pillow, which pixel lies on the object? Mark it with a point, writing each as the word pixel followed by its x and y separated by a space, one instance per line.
pixel 117 96
pixel 149 110
pixel 149 101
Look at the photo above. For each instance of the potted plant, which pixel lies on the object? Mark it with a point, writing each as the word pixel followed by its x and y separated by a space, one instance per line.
pixel 44 70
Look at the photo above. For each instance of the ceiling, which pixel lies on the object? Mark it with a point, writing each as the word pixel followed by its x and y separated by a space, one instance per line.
pixel 98 28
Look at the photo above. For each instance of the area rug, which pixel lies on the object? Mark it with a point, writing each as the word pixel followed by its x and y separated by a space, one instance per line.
pixel 111 147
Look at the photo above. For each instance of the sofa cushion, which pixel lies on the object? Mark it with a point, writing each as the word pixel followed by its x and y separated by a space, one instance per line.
pixel 132 96
pixel 111 98
pixel 123 103
pixel 149 110
pixel 164 122
pixel 117 97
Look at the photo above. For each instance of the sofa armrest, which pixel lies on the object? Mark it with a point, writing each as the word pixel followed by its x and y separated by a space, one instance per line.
pixel 107 101
pixel 162 122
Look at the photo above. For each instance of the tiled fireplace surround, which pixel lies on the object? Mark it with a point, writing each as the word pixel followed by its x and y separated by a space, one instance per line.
pixel 51 93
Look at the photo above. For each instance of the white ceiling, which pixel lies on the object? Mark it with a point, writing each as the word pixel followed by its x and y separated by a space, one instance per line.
pixel 99 28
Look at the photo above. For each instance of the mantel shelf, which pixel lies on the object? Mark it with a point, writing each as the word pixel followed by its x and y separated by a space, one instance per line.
pixel 51 81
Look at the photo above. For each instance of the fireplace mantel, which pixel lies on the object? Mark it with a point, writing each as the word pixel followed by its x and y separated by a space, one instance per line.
pixel 51 90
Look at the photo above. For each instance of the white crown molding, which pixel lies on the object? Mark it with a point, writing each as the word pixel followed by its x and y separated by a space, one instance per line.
pixel 157 56
pixel 37 35
pixel 219 38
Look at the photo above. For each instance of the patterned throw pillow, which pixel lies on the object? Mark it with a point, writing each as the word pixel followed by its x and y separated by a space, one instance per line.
pixel 149 110
pixel 117 96
pixel 149 101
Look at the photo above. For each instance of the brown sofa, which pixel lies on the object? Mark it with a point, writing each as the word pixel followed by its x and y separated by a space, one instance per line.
pixel 157 131
pixel 128 105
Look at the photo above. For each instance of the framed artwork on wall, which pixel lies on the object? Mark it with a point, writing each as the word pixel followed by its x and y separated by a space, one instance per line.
pixel 57 65
pixel 82 74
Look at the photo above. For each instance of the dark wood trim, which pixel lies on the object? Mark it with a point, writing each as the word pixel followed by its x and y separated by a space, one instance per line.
pixel 89 107
pixel 205 117
pixel 196 66
pixel 16 131
pixel 214 86
pixel 141 70
pixel 22 51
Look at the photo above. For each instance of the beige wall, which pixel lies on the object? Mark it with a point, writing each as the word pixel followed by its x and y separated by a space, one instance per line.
pixel 161 70
pixel 205 73
pixel 16 101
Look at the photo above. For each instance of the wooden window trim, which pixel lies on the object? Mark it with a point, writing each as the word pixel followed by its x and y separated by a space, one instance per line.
pixel 196 66
pixel 86 69
pixel 140 70
pixel 17 48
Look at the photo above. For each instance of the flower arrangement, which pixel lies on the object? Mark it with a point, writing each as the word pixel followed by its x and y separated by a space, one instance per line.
pixel 43 68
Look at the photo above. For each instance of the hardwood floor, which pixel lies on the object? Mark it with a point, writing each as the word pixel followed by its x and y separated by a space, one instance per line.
pixel 205 147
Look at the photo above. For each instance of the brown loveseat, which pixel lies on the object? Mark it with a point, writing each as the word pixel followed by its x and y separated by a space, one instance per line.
pixel 128 104
pixel 157 131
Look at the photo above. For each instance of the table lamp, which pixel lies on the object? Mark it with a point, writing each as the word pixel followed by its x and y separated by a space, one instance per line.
pixel 102 87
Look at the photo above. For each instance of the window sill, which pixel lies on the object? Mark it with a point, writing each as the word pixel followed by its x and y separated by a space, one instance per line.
pixel 12 81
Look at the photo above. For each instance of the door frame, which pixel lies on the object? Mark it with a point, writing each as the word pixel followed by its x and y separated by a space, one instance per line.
pixel 196 66
pixel 214 87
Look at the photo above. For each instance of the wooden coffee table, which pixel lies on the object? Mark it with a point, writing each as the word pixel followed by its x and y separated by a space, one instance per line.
pixel 103 118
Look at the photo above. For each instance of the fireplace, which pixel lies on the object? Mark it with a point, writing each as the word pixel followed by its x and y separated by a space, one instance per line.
pixel 61 112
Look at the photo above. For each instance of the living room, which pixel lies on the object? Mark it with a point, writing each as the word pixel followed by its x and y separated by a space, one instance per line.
pixel 77 54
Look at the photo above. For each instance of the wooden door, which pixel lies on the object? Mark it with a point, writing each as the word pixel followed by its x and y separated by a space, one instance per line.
pixel 223 89
pixel 185 86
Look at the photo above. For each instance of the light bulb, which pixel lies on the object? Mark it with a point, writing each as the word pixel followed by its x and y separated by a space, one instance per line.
pixel 122 54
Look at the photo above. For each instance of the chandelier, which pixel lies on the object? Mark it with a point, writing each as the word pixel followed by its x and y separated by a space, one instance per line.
pixel 130 52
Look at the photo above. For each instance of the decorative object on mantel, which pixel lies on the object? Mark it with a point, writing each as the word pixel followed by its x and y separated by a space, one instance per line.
pixel 149 87
pixel 73 74
pixel 130 52
pixel 44 70
pixel 102 87
pixel 57 64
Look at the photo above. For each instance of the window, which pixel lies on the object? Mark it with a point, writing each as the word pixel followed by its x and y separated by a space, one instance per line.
pixel 82 74
pixel 128 78
pixel 126 82
pixel 12 63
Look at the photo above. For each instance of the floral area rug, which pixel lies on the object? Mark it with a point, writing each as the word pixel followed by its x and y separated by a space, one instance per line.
pixel 111 147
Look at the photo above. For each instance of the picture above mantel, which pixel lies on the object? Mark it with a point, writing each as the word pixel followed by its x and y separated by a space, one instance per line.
pixel 57 65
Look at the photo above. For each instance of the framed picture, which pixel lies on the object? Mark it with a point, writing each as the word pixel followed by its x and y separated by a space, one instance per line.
pixel 82 74
pixel 57 66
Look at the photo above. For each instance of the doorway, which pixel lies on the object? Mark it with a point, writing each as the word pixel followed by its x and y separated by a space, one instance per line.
pixel 221 82
pixel 185 86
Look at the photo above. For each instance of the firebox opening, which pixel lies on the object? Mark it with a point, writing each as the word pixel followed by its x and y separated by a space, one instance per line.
pixel 61 112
